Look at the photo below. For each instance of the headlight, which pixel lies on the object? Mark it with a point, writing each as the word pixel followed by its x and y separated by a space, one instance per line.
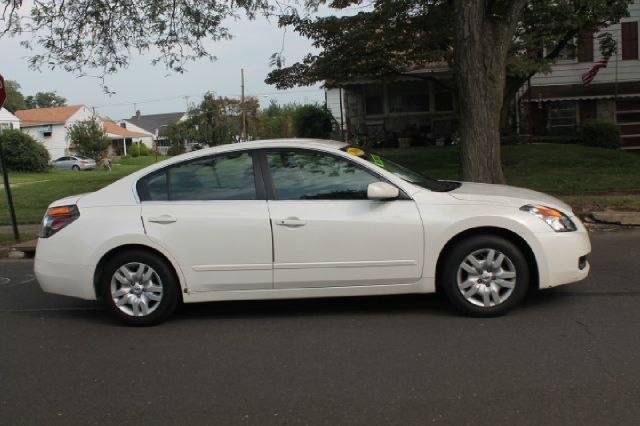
pixel 554 218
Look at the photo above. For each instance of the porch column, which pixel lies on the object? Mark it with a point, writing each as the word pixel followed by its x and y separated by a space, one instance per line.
pixel 124 146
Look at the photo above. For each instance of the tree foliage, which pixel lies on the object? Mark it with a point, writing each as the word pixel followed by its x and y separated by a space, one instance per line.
pixel 97 34
pixel 312 121
pixel 215 121
pixel 15 99
pixel 89 138
pixel 23 153
pixel 45 100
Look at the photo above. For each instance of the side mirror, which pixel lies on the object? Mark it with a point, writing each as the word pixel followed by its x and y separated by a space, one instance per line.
pixel 382 191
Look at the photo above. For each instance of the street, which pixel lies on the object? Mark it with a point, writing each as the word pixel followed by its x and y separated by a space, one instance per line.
pixel 569 355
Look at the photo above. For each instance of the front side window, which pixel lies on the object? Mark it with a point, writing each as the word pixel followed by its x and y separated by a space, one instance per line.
pixel 309 175
pixel 223 177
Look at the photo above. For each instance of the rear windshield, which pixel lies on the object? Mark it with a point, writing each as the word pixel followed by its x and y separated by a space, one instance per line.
pixel 403 172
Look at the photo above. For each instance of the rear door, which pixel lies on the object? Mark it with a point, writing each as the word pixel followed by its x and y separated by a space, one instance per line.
pixel 211 215
pixel 326 232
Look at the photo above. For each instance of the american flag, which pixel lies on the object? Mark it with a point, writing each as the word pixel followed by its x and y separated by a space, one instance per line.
pixel 588 76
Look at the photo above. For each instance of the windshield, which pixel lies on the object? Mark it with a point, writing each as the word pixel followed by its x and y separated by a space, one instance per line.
pixel 402 172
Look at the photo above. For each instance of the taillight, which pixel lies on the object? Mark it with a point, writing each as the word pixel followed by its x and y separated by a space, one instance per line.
pixel 57 218
pixel 84 162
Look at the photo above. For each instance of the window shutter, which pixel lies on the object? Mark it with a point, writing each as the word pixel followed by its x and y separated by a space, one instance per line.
pixel 629 40
pixel 585 47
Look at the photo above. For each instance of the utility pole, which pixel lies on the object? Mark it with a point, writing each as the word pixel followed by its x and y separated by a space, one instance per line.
pixel 243 135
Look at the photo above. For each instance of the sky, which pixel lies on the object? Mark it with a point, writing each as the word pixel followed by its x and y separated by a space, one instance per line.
pixel 153 89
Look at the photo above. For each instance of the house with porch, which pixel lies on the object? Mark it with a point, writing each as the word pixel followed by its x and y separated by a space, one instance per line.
pixel 50 127
pixel 416 108
pixel 8 120
pixel 557 103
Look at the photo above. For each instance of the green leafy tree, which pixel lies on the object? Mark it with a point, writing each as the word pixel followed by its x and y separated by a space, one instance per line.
pixel 276 121
pixel 89 138
pixel 45 100
pixel 15 99
pixel 215 121
pixel 312 121
pixel 23 153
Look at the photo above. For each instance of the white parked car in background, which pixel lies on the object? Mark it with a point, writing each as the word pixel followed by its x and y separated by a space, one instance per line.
pixel 303 218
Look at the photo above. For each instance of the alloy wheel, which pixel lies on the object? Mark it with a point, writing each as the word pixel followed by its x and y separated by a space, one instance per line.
pixel 486 277
pixel 136 289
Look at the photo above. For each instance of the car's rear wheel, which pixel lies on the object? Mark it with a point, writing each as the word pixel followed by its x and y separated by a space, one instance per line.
pixel 139 288
pixel 485 276
pixel 75 168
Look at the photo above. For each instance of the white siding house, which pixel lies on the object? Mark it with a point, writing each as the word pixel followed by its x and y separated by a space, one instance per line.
pixel 8 120
pixel 49 126
pixel 560 101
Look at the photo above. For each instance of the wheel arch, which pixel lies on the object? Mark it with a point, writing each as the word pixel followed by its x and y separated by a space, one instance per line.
pixel 135 247
pixel 507 234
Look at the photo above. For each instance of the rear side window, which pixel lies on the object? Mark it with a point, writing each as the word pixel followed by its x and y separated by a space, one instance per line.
pixel 223 177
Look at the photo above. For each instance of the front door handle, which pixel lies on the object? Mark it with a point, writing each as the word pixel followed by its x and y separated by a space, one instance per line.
pixel 291 222
pixel 164 219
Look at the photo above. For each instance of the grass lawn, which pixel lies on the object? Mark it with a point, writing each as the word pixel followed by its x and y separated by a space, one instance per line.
pixel 35 191
pixel 587 178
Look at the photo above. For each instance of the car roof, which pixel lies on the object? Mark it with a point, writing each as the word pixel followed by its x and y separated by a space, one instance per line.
pixel 277 143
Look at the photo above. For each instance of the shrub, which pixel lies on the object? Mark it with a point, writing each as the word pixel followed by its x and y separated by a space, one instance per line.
pixel 23 153
pixel 602 134
pixel 90 138
pixel 134 150
pixel 312 121
pixel 176 149
pixel 144 151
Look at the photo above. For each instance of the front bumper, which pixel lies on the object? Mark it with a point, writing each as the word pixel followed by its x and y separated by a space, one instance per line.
pixel 566 257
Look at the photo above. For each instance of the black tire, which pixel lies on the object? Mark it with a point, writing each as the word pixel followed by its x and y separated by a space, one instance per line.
pixel 164 277
pixel 75 168
pixel 488 280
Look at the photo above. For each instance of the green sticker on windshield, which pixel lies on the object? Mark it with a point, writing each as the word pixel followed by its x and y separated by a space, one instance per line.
pixel 377 161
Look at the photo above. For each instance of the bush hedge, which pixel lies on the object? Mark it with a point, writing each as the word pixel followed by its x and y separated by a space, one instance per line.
pixel 176 149
pixel 23 153
pixel 144 151
pixel 602 134
pixel 134 150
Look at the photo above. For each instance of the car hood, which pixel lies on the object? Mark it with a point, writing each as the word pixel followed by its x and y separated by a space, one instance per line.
pixel 506 195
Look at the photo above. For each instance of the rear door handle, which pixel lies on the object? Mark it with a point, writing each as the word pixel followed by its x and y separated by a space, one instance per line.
pixel 164 219
pixel 291 222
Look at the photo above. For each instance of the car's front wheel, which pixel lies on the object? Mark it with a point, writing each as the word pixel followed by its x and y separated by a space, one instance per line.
pixel 139 289
pixel 485 275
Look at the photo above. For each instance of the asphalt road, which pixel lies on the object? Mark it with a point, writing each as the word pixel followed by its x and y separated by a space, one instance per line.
pixel 568 356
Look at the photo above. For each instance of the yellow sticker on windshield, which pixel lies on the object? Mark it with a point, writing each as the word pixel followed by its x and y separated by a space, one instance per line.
pixel 355 151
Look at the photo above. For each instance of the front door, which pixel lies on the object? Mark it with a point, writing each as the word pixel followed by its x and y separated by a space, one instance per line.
pixel 326 233
pixel 213 218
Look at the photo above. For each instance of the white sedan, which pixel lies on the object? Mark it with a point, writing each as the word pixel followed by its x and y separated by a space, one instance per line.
pixel 303 218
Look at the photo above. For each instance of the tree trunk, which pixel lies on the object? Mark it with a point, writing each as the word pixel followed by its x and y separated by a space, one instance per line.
pixel 483 33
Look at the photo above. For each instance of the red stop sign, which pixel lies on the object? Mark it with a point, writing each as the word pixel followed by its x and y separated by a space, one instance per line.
pixel 3 91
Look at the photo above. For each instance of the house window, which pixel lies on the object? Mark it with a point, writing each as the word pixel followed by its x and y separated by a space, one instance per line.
pixel 562 118
pixel 585 47
pixel 373 100
pixel 629 40
pixel 46 130
pixel 568 52
pixel 443 100
pixel 409 96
